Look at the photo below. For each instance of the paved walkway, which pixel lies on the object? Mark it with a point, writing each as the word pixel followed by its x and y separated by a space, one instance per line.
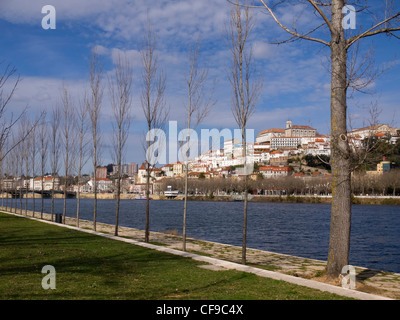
pixel 370 284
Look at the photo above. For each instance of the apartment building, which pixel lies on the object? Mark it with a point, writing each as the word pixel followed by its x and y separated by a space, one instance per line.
pixel 299 131
pixel 101 172
pixel 47 183
pixel 267 135
pixel 129 169
pixel 274 172
pixel 285 143
pixel 102 184
pixel 378 130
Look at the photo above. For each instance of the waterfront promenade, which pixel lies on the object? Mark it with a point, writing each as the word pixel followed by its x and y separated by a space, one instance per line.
pixel 279 266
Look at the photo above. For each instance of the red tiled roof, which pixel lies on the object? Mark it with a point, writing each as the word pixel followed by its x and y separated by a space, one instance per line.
pixel 271 131
pixel 302 127
pixel 274 169
pixel 45 178
pixel 300 174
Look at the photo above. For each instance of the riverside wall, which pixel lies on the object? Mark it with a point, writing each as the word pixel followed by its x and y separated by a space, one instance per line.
pixel 361 200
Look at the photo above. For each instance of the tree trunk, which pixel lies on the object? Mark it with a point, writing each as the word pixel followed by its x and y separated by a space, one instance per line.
pixel 26 197
pixel 244 244
pixel 339 245
pixel 185 207
pixel 20 200
pixel 118 200
pixel 244 154
pixel 95 202
pixel 52 199
pixel 95 183
pixel 33 196
pixel 78 199
pixel 147 229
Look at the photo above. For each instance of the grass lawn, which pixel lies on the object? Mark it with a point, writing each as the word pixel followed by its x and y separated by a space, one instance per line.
pixel 90 267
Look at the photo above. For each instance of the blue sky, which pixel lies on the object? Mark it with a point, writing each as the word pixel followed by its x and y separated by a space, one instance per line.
pixel 296 83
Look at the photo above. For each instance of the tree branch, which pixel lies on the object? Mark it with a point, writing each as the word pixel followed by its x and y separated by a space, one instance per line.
pixel 315 5
pixel 369 32
pixel 294 33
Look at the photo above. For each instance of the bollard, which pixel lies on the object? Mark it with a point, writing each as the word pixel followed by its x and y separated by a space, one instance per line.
pixel 58 217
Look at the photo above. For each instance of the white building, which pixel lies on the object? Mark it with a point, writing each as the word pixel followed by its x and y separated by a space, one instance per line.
pixel 267 135
pixel 102 184
pixel 168 170
pixel 299 131
pixel 369 131
pixel 274 172
pixel 47 183
pixel 316 146
pixel 81 188
pixel 285 142
pixel 230 146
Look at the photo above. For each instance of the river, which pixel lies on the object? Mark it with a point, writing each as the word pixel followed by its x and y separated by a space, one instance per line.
pixel 296 229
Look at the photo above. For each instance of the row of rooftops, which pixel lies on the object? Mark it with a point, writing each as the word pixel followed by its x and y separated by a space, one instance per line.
pixel 380 128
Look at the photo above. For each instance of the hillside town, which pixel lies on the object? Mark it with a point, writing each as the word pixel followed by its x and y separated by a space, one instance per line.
pixel 276 153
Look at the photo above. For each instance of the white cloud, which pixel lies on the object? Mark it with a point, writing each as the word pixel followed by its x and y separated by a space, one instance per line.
pixel 263 50
pixel 99 49
pixel 43 93
pixel 124 19
pixel 133 56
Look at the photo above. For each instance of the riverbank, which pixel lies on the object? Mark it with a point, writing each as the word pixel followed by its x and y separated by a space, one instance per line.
pixel 357 200
pixel 361 200
pixel 371 281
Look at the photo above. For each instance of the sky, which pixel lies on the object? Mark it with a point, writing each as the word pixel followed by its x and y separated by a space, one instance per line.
pixel 296 79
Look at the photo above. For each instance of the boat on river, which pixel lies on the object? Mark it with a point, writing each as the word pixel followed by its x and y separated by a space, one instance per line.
pixel 169 193
pixel 141 197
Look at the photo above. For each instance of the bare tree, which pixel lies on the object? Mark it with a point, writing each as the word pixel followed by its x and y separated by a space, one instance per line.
pixel 2 176
pixel 68 134
pixel 82 115
pixel 331 33
pixel 43 145
pixel 198 106
pixel 10 165
pixel 120 87
pixel 94 107
pixel 33 152
pixel 25 126
pixel 20 158
pixel 246 87
pixel 55 147
pixel 153 105
pixel 361 150
pixel 18 164
pixel 8 85
pixel 6 123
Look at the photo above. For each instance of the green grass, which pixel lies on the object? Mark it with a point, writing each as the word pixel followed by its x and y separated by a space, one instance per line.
pixel 96 268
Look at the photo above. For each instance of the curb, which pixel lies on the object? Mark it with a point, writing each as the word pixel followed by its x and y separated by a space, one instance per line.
pixel 229 265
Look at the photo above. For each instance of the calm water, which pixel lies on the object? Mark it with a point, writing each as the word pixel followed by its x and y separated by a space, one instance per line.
pixel 295 229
